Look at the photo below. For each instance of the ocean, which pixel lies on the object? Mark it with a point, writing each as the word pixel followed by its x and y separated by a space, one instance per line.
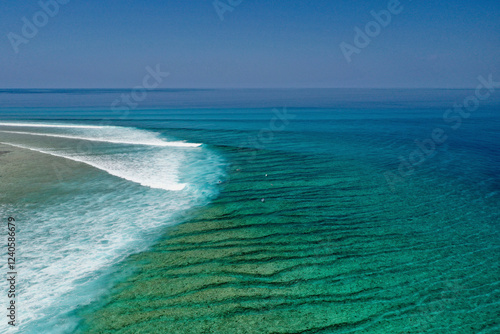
pixel 252 211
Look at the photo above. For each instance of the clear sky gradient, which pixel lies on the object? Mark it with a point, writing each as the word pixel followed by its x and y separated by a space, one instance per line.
pixel 260 43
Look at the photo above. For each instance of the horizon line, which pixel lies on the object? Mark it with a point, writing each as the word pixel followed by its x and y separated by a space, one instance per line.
pixel 226 88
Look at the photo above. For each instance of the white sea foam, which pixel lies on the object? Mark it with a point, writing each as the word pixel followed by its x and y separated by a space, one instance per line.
pixel 146 141
pixel 67 247
pixel 73 238
pixel 156 165
pixel 40 125
pixel 163 175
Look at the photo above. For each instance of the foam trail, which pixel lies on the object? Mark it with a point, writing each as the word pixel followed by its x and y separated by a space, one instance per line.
pixel 93 226
pixel 163 179
pixel 151 142
pixel 52 125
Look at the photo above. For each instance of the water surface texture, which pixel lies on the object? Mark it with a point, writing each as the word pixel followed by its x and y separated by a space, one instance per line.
pixel 253 212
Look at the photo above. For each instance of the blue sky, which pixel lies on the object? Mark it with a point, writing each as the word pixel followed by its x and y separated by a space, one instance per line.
pixel 260 43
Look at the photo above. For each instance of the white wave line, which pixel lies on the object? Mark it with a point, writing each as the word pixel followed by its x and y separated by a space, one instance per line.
pixel 34 125
pixel 159 143
pixel 176 187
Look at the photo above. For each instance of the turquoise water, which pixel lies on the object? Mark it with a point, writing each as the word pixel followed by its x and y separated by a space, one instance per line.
pixel 252 212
